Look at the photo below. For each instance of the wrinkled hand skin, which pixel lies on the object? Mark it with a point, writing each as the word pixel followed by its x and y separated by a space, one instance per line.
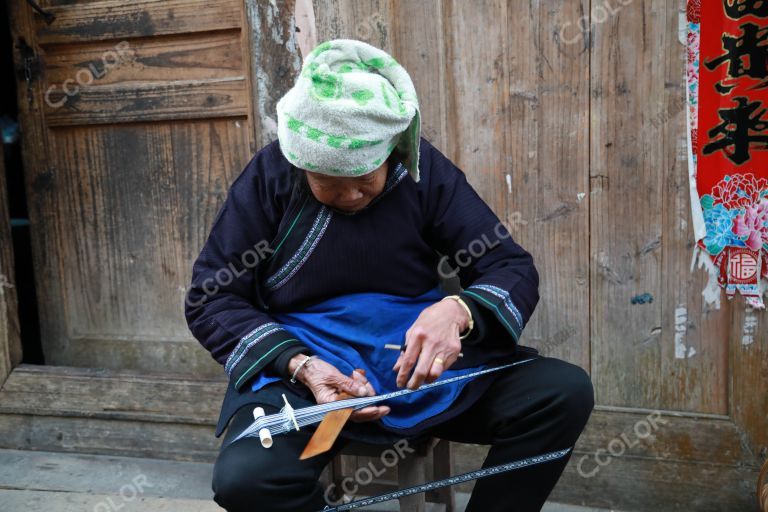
pixel 434 334
pixel 326 383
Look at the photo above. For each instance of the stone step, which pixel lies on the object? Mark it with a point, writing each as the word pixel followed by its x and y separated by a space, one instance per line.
pixel 14 500
pixel 36 481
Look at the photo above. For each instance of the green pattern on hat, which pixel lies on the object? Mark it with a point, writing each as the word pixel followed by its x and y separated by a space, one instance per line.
pixel 349 102
pixel 326 86
pixel 362 96
pixel 321 137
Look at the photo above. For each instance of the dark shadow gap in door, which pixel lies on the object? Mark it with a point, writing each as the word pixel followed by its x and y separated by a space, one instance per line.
pixel 17 200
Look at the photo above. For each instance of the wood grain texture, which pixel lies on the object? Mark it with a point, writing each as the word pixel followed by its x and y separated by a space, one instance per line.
pixel 199 56
pixel 102 474
pixel 368 21
pixel 630 483
pixel 545 121
pixel 275 62
pixel 125 177
pixel 175 441
pixel 10 336
pixel 116 19
pixel 495 102
pixel 748 376
pixel 169 101
pixel 625 233
pixel 124 282
pixel 139 414
pixel 660 460
pixel 663 349
pixel 689 327
pixel 164 397
pixel 421 49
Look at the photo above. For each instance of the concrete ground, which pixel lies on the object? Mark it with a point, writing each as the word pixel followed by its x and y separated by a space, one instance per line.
pixel 33 481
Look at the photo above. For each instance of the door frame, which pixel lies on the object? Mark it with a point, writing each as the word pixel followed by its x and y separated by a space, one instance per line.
pixel 10 337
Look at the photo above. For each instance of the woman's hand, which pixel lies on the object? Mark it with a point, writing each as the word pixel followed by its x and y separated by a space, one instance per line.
pixel 433 337
pixel 326 383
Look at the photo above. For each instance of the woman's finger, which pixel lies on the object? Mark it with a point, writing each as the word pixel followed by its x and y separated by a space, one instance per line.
pixel 363 380
pixel 443 362
pixel 409 359
pixel 438 366
pixel 371 413
pixel 423 367
pixel 349 385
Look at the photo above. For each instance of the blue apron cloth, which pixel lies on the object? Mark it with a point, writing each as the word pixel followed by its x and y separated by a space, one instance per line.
pixel 350 332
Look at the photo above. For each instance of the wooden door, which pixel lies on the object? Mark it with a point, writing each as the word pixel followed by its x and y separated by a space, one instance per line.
pixel 136 118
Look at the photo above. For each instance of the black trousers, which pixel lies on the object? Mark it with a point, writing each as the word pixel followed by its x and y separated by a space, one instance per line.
pixel 532 409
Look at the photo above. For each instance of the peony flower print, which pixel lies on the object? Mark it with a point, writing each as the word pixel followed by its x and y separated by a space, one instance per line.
pixel 739 191
pixel 720 234
pixel 753 224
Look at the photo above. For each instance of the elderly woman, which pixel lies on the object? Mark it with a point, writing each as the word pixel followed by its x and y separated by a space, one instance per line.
pixel 333 243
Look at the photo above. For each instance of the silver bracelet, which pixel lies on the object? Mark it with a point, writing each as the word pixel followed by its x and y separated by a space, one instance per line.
pixel 296 371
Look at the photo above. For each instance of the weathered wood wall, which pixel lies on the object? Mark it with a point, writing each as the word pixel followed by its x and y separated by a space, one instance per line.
pixel 566 115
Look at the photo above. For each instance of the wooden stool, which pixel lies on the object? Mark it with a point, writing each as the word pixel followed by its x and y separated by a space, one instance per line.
pixel 411 471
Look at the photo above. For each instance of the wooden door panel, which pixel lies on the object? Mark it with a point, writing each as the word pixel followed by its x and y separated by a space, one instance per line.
pixel 546 200
pixel 144 111
pixel 201 56
pixel 128 227
pixel 189 76
pixel 654 344
pixel 748 377
pixel 152 102
pixel 94 20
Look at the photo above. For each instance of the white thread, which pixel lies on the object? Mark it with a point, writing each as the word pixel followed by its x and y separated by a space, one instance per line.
pixel 288 411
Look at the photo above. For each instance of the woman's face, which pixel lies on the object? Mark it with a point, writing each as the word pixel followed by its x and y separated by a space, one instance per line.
pixel 346 193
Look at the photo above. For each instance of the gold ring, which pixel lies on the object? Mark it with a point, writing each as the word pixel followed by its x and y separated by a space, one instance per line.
pixel 439 360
